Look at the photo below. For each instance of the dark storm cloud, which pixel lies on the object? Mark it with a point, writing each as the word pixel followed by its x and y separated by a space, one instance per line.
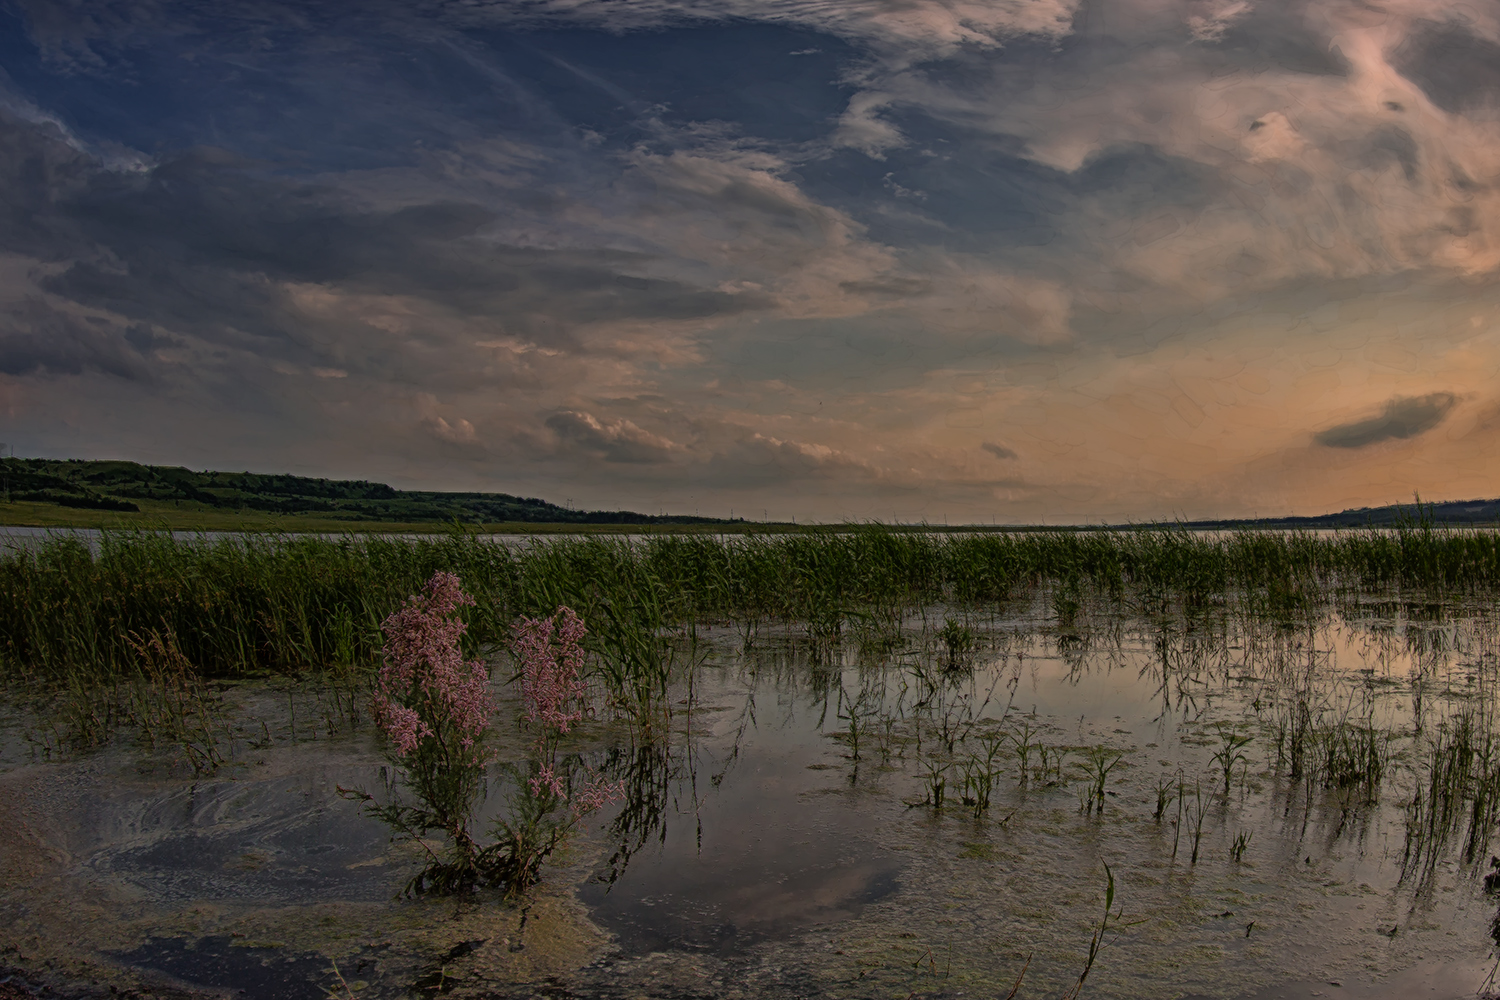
pixel 38 170
pixel 1402 417
pixel 1277 36
pixel 1393 144
pixel 38 340
pixel 1458 70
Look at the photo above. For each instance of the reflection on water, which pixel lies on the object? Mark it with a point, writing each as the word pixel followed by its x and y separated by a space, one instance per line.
pixel 765 862
pixel 1281 801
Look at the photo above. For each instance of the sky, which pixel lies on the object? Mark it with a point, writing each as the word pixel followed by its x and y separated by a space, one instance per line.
pixel 1011 261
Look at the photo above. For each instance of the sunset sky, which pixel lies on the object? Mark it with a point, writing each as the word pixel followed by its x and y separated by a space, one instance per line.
pixel 1020 260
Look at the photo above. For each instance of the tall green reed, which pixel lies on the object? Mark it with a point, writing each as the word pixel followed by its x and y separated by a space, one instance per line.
pixel 251 604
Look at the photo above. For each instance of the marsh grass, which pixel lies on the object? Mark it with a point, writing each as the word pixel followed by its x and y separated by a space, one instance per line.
pixel 958 641
pixel 248 604
pixel 1190 816
pixel 1051 760
pixel 1457 796
pixel 171 705
pixel 77 626
pixel 1100 936
pixel 1022 739
pixel 1166 794
pixel 981 770
pixel 166 703
pixel 934 783
pixel 1098 763
pixel 1231 753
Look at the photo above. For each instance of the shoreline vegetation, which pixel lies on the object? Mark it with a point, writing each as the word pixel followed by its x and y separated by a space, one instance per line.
pixel 78 615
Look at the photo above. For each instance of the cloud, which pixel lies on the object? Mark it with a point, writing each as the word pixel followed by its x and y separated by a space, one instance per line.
pixel 922 29
pixel 1270 164
pixel 611 440
pixel 1212 21
pixel 40 340
pixel 999 450
pixel 861 126
pixel 746 458
pixel 1151 242
pixel 740 216
pixel 1403 417
pixel 1456 68
pixel 212 250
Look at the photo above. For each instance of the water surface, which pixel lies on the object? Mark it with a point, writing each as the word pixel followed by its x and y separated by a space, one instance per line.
pixel 783 840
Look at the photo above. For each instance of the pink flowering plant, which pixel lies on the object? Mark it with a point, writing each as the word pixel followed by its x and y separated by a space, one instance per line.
pixel 434 708
pixel 556 791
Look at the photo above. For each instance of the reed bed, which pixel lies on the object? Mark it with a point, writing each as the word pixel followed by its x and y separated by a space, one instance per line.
pixel 252 604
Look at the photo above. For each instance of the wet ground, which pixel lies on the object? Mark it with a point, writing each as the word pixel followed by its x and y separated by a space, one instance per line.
pixel 784 840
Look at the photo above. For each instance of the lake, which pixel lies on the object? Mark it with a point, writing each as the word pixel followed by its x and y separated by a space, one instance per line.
pixel 1282 804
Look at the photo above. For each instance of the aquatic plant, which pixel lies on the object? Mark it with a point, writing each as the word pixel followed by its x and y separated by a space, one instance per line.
pixel 958 639
pixel 1050 762
pixel 171 704
pixel 343 683
pixel 980 772
pixel 1022 739
pixel 1165 795
pixel 1461 791
pixel 860 712
pixel 251 603
pixel 1237 849
pixel 1352 757
pixel 1230 753
pixel 1098 941
pixel 556 792
pixel 434 709
pixel 1098 762
pixel 934 783
pixel 1189 814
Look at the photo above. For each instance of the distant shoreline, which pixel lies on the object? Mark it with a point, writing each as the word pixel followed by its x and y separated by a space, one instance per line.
pixel 24 514
pixel 73 493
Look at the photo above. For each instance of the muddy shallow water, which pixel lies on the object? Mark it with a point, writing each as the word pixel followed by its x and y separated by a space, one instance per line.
pixel 784 839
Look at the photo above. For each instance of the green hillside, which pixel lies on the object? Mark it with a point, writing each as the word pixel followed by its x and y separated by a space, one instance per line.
pixel 127 488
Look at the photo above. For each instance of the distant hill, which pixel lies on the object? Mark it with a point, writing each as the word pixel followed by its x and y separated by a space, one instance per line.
pixel 1449 512
pixel 120 486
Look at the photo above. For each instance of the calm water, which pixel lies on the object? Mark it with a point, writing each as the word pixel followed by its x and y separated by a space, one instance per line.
pixel 769 851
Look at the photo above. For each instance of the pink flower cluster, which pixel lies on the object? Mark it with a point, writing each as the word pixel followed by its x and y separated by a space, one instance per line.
pixel 425 680
pixel 596 794
pixel 551 656
pixel 404 726
pixel 546 778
